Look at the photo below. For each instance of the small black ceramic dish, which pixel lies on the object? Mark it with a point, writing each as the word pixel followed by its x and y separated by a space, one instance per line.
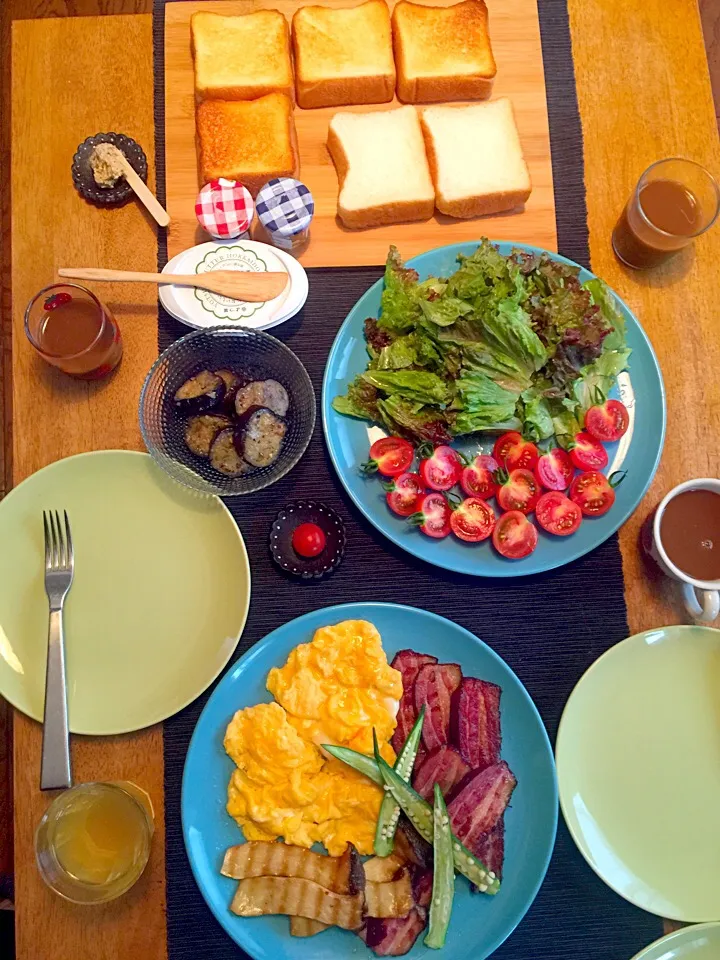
pixel 84 180
pixel 314 514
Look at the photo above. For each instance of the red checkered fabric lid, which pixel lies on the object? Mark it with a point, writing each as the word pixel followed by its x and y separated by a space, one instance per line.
pixel 225 209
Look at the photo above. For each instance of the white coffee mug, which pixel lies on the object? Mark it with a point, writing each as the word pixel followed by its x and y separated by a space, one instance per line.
pixel 702 597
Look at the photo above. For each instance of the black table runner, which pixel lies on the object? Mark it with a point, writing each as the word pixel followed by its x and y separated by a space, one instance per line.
pixel 549 628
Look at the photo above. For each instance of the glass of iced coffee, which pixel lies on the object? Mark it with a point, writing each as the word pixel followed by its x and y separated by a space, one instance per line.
pixel 674 202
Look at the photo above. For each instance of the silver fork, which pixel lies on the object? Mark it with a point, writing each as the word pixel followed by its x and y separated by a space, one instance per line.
pixel 59 566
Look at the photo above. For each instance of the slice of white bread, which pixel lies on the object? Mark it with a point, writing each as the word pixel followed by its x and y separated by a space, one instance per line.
pixel 442 53
pixel 382 167
pixel 343 55
pixel 475 157
pixel 241 57
pixel 252 141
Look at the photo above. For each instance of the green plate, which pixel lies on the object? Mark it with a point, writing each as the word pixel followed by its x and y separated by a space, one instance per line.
pixel 159 600
pixel 638 763
pixel 701 942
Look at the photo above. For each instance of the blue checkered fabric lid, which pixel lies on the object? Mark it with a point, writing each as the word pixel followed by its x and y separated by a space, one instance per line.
pixel 285 206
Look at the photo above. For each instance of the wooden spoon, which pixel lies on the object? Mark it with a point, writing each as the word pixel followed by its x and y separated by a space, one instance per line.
pixel 144 194
pixel 244 285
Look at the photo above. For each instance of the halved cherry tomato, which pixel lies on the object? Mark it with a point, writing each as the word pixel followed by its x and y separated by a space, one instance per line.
pixel 478 479
pixel 442 469
pixel 403 494
pixel 607 421
pixel 513 453
pixel 308 540
pixel 554 470
pixel 389 456
pixel 514 535
pixel 587 453
pixel 517 490
pixel 473 520
pixel 524 456
pixel 504 444
pixel 557 514
pixel 593 493
pixel 432 516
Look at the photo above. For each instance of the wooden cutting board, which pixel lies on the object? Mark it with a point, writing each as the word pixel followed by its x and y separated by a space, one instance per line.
pixel 515 36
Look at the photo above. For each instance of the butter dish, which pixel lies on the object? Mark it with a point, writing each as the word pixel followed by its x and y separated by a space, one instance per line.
pixel 201 310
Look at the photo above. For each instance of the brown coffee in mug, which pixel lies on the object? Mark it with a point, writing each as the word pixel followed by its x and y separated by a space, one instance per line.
pixel 690 533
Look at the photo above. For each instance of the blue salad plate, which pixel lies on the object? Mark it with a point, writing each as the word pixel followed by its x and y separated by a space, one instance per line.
pixel 479 923
pixel 349 439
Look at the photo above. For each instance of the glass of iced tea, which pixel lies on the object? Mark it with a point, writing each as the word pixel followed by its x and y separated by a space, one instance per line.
pixel 674 202
pixel 93 842
pixel 71 329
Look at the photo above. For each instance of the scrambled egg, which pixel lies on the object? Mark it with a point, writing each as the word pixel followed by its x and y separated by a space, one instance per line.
pixel 332 690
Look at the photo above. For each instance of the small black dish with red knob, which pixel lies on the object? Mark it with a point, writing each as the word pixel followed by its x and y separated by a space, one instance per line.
pixel 307 540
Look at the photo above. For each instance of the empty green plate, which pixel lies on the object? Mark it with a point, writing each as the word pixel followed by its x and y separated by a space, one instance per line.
pixel 159 600
pixel 638 763
pixel 701 942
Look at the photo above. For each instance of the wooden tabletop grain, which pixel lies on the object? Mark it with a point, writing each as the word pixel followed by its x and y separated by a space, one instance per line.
pixel 644 93
pixel 59 99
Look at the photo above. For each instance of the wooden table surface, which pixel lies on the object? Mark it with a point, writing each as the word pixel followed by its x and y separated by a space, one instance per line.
pixel 644 93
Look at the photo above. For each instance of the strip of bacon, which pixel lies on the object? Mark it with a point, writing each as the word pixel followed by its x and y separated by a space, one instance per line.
pixel 408 663
pixel 434 687
pixel 394 938
pixel 422 881
pixel 411 846
pixel 443 766
pixel 479 802
pixel 490 848
pixel 475 722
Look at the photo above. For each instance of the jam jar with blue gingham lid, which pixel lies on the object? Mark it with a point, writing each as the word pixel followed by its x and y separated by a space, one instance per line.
pixel 284 208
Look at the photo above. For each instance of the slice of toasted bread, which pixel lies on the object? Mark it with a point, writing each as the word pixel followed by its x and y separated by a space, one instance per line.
pixel 382 167
pixel 475 156
pixel 241 57
pixel 343 55
pixel 247 140
pixel 442 53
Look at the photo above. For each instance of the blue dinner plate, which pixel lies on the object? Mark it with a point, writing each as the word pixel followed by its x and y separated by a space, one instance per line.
pixel 349 440
pixel 479 923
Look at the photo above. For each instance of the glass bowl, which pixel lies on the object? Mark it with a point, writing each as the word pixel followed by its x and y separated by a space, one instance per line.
pixel 255 356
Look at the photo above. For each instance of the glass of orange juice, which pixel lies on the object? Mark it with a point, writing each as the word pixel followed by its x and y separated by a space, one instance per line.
pixel 93 842
pixel 71 329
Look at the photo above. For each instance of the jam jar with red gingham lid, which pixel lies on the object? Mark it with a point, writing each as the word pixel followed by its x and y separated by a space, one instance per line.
pixel 225 209
pixel 285 208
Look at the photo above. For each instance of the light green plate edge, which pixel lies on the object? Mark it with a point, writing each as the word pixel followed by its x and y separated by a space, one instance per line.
pixel 698 942
pixel 167 673
pixel 585 731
